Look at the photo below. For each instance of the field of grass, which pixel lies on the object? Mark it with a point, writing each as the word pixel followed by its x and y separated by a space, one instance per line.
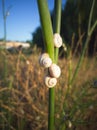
pixel 24 97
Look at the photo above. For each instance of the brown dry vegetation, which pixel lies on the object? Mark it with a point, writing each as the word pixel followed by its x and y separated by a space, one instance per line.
pixel 24 97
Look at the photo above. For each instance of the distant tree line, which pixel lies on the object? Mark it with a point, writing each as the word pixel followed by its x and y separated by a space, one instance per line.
pixel 74 25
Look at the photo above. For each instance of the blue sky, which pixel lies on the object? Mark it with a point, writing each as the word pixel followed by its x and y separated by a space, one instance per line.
pixel 23 18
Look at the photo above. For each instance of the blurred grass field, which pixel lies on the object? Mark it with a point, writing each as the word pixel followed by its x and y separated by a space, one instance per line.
pixel 24 97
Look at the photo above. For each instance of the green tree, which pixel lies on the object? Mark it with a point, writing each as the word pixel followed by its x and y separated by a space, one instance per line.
pixel 75 16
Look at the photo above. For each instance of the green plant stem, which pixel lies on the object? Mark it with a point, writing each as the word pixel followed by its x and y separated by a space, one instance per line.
pixel 48 39
pixel 92 28
pixel 51 109
pixel 69 70
pixel 4 18
pixel 57 23
pixel 89 33
pixel 90 17
pixel 80 60
pixel 46 27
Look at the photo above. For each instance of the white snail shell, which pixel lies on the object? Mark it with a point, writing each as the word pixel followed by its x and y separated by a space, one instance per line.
pixel 55 70
pixel 50 82
pixel 44 55
pixel 57 40
pixel 46 62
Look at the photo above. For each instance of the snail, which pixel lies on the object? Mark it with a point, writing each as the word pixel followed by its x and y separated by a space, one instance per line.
pixel 45 60
pixel 54 70
pixel 50 81
pixel 57 40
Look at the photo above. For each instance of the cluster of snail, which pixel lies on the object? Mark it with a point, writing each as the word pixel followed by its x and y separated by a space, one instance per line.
pixel 54 70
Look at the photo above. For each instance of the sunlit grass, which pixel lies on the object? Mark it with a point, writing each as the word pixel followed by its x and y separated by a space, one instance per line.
pixel 23 101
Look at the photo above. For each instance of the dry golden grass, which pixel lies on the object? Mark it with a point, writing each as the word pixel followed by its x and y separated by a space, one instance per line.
pixel 24 97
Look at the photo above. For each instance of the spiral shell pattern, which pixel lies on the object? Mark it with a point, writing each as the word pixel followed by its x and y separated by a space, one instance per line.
pixel 55 70
pixel 57 40
pixel 46 62
pixel 42 57
pixel 50 82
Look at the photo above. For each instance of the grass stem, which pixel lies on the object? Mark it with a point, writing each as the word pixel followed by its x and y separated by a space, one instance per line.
pixel 46 27
pixel 48 40
pixel 89 33
pixel 57 23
